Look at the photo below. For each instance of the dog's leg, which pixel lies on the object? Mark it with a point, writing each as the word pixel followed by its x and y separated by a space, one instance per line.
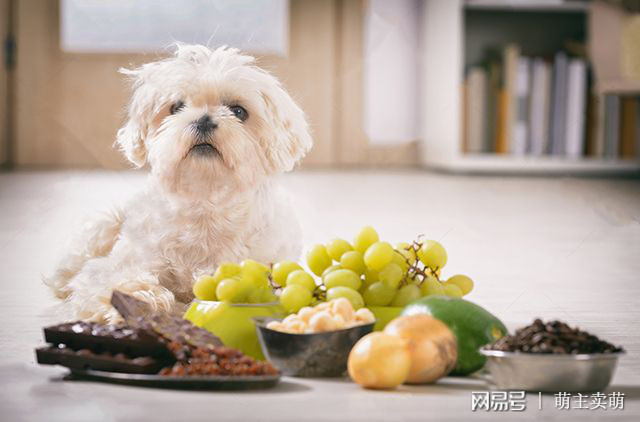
pixel 91 288
pixel 96 240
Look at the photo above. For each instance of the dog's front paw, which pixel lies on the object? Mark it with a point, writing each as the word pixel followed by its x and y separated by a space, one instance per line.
pixel 158 297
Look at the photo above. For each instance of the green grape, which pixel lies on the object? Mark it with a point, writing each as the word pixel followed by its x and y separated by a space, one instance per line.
pixel 452 290
pixel 371 276
pixel 392 275
pixel 378 255
pixel 406 295
pixel 281 271
pixel 367 237
pixel 463 282
pixel 330 269
pixel 406 251
pixel 432 255
pixel 431 286
pixel 301 278
pixel 226 270
pixel 233 290
pixel 205 288
pixel 268 296
pixel 353 261
pixel 399 260
pixel 348 293
pixel 318 259
pixel 337 247
pixel 378 294
pixel 346 278
pixel 255 272
pixel 255 295
pixel 295 297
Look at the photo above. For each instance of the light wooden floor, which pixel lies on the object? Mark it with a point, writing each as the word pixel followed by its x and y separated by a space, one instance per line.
pixel 552 248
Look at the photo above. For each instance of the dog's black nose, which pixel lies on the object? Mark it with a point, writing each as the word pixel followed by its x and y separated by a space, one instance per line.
pixel 205 125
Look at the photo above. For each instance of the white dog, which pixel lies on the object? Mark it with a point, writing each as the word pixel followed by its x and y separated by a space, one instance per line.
pixel 214 129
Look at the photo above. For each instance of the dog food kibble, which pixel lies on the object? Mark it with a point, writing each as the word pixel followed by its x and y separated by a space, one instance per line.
pixel 553 337
pixel 328 316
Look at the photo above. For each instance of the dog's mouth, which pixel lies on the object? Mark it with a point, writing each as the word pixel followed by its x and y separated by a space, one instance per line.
pixel 204 149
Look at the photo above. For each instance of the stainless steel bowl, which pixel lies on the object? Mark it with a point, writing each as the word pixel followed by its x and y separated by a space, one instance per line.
pixel 548 373
pixel 309 355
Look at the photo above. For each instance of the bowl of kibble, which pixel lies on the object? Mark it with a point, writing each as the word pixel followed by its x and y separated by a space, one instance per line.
pixel 549 358
pixel 315 341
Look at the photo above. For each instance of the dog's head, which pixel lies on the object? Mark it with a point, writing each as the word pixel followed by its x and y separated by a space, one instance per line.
pixel 207 120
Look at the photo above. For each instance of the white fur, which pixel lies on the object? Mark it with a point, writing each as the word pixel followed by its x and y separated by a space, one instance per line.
pixel 196 211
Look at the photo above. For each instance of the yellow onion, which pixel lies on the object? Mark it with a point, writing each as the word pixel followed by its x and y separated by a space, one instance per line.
pixel 380 361
pixel 431 344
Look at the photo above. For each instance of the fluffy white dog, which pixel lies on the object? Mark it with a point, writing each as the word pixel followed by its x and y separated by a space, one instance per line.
pixel 214 129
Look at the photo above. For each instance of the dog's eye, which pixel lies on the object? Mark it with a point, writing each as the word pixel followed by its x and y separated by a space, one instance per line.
pixel 239 112
pixel 176 107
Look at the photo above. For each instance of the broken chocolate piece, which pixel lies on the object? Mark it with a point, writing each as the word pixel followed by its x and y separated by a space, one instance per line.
pixel 107 338
pixel 128 306
pixel 105 361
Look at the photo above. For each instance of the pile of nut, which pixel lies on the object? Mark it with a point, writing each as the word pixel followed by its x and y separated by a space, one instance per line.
pixel 553 337
pixel 327 316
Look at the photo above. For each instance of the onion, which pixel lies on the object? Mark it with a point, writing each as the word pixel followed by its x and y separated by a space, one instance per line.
pixel 380 361
pixel 431 344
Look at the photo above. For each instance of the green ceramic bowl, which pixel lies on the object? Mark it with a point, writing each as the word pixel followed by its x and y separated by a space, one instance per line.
pixel 384 314
pixel 233 323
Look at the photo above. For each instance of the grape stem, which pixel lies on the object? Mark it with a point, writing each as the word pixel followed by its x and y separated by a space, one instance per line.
pixel 274 286
pixel 417 271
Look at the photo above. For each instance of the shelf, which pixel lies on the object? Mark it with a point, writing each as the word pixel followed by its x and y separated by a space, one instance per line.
pixel 528 6
pixel 509 164
pixel 618 87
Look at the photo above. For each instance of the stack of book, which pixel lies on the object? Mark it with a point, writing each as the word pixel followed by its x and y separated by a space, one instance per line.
pixel 543 106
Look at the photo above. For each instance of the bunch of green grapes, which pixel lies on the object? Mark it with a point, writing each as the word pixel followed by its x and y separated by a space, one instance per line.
pixel 367 272
pixel 371 272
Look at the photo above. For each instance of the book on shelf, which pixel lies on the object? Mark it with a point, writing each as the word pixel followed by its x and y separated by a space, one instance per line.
pixel 521 126
pixel 494 84
pixel 591 125
pixel 539 108
pixel 611 125
pixel 475 113
pixel 576 108
pixel 508 100
pixel 559 104
pixel 629 128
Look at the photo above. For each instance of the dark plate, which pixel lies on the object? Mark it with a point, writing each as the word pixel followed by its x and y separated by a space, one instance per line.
pixel 180 383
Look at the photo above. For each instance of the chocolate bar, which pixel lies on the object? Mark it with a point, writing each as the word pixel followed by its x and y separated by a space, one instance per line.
pixel 172 328
pixel 105 361
pixel 128 306
pixel 107 338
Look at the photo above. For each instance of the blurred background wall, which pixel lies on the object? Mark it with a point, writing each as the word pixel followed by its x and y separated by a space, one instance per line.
pixel 445 84
pixel 69 98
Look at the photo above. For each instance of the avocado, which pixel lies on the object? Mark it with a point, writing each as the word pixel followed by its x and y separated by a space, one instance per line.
pixel 473 326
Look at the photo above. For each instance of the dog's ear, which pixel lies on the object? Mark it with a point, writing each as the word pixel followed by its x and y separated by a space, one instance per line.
pixel 131 136
pixel 289 133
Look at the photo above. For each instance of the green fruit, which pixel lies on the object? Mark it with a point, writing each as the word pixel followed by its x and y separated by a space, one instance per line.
pixel 302 278
pixel 205 288
pixel 281 271
pixel 473 326
pixel 342 277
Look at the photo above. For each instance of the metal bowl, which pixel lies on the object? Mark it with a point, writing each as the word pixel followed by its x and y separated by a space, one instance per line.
pixel 549 373
pixel 309 355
